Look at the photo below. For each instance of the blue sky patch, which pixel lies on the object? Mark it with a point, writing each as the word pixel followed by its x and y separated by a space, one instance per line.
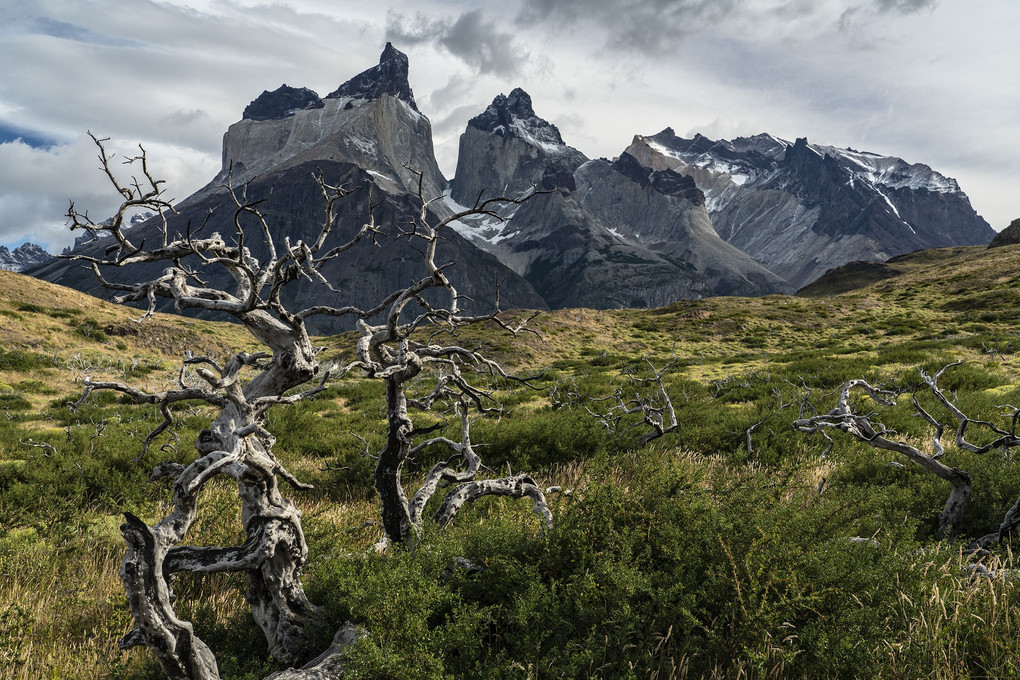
pixel 9 133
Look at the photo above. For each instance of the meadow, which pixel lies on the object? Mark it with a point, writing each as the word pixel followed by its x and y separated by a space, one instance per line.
pixel 732 547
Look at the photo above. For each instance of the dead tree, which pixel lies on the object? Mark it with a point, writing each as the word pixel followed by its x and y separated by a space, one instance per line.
pixel 245 386
pixel 403 346
pixel 863 427
pixel 650 399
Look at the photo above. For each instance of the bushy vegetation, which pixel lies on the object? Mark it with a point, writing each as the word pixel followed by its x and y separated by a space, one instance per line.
pixel 732 547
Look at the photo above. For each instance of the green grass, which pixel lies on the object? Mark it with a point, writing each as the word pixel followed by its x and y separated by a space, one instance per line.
pixel 697 556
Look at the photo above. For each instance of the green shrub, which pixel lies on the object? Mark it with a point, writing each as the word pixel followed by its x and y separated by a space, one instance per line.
pixel 90 329
pixel 19 360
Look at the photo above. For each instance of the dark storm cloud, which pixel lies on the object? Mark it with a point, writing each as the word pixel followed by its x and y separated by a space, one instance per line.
pixel 471 37
pixel 633 25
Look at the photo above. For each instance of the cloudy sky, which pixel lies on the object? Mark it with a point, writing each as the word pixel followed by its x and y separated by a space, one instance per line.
pixel 931 81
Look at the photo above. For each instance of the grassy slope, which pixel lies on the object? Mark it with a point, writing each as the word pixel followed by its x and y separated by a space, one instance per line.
pixel 694 556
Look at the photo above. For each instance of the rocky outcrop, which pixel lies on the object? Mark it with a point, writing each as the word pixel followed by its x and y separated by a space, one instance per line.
pixel 388 77
pixel 1007 236
pixel 507 149
pixel 282 102
pixel 802 209
pixel 25 256
pixel 370 121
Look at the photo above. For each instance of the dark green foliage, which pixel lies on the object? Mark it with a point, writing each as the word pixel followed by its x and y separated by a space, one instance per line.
pixel 97 464
pixel 15 402
pixel 90 329
pixel 544 438
pixel 19 360
pixel 661 565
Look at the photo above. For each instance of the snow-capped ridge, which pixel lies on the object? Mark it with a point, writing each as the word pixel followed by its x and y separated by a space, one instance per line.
pixel 24 257
pixel 801 207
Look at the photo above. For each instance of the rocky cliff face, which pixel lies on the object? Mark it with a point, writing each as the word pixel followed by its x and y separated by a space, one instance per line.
pixel 802 209
pixel 507 149
pixel 363 133
pixel 607 234
pixel 371 121
pixel 25 256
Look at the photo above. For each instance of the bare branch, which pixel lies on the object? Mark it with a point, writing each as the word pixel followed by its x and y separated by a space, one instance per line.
pixel 844 417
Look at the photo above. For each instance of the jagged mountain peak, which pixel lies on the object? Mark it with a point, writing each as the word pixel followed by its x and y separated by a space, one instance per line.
pixel 514 116
pixel 508 149
pixel 25 256
pixel 282 102
pixel 389 76
pixel 371 121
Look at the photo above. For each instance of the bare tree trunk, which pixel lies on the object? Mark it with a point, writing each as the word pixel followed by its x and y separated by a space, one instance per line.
pixel 862 428
pixel 396 518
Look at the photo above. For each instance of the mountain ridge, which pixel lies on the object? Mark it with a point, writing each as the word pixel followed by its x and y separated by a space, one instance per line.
pixel 802 209
pixel 607 233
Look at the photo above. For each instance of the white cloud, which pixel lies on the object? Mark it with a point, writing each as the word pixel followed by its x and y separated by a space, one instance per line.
pixel 37 185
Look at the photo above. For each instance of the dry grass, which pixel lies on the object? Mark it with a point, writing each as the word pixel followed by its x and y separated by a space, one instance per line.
pixel 61 612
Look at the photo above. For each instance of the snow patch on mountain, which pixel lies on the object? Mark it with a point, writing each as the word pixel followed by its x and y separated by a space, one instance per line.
pixel 801 208
pixel 488 228
pixel 891 171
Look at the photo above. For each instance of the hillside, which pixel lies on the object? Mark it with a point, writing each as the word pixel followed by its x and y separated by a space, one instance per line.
pixel 733 545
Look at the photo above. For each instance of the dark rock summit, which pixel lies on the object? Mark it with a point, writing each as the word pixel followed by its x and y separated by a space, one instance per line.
pixel 388 77
pixel 282 102
pixel 508 149
pixel 514 116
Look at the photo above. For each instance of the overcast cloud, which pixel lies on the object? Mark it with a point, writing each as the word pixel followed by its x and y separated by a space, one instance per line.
pixel 928 81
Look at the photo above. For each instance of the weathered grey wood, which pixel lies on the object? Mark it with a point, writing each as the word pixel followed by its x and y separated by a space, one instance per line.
pixel 245 386
pixel 389 351
pixel 862 428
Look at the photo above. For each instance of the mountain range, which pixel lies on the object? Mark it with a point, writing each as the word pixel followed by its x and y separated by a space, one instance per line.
pixel 801 209
pixel 24 257
pixel 667 219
